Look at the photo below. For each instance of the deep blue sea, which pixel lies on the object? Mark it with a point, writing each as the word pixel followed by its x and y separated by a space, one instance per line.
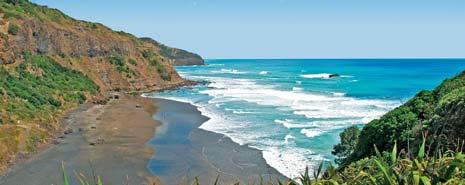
pixel 292 111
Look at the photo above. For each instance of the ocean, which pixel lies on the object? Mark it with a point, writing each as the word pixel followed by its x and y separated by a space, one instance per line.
pixel 291 109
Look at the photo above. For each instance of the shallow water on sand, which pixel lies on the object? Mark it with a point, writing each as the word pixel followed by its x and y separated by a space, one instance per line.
pixel 184 152
pixel 292 110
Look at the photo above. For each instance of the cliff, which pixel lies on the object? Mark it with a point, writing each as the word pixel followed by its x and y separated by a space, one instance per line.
pixel 178 57
pixel 50 63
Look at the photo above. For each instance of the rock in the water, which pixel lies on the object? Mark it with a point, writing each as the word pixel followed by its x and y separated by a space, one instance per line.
pixel 334 75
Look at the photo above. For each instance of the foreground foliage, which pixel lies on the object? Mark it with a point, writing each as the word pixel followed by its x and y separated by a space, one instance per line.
pixel 439 113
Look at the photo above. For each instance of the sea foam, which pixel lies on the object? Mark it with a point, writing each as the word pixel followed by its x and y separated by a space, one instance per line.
pixel 296 113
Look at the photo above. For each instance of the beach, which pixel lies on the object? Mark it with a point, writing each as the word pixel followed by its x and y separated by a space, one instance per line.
pixel 123 143
pixel 106 140
pixel 185 151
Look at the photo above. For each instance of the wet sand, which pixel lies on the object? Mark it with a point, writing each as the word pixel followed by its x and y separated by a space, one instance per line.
pixel 184 151
pixel 117 142
pixel 107 140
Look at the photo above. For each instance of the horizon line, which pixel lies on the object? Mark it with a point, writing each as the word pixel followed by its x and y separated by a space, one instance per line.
pixel 349 58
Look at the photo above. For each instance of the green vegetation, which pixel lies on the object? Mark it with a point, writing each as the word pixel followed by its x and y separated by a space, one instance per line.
pixel 22 8
pixel 439 114
pixel 14 2
pixel 119 61
pixel 154 61
pixel 396 167
pixel 347 145
pixel 39 83
pixel 83 180
pixel 13 29
pixel 34 94
pixel 132 62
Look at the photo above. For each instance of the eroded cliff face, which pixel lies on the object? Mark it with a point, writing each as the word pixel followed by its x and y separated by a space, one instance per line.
pixel 90 48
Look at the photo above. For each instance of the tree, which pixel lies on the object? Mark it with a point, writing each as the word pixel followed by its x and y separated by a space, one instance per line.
pixel 345 148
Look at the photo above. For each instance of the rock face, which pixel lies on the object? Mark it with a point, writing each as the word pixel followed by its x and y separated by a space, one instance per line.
pixel 177 57
pixel 89 47
pixel 334 75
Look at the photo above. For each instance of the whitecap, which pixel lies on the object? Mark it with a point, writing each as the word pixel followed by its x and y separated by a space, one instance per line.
pixel 319 75
pixel 297 89
pixel 311 132
pixel 228 71
pixel 338 94
pixel 324 76
pixel 263 72
pixel 291 161
pixel 288 138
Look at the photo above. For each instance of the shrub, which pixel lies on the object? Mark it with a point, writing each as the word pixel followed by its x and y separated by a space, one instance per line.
pixel 14 2
pixel 160 69
pixel 132 62
pixel 13 29
pixel 347 145
pixel 147 54
pixel 119 61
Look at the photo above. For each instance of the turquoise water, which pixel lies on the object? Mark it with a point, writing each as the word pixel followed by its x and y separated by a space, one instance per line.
pixel 292 111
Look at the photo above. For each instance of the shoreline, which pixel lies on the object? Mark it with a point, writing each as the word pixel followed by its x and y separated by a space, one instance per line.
pixel 100 141
pixel 201 153
pixel 97 140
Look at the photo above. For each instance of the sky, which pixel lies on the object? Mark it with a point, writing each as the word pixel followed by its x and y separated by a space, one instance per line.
pixel 287 28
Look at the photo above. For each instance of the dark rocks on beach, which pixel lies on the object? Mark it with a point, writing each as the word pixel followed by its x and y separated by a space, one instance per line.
pixel 55 142
pixel 68 131
pixel 334 75
pixel 101 101
pixel 96 142
pixel 138 106
pixel 93 127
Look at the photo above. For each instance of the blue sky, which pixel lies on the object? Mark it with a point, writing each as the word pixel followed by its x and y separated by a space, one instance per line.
pixel 287 28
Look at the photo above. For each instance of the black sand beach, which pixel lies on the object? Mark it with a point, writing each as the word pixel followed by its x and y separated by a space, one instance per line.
pixel 184 151
pixel 107 140
pixel 111 141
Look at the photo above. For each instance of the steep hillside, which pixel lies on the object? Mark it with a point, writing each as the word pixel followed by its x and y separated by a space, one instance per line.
pixel 177 57
pixel 438 116
pixel 51 63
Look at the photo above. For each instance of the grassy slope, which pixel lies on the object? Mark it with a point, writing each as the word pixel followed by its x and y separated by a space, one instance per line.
pixel 34 95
